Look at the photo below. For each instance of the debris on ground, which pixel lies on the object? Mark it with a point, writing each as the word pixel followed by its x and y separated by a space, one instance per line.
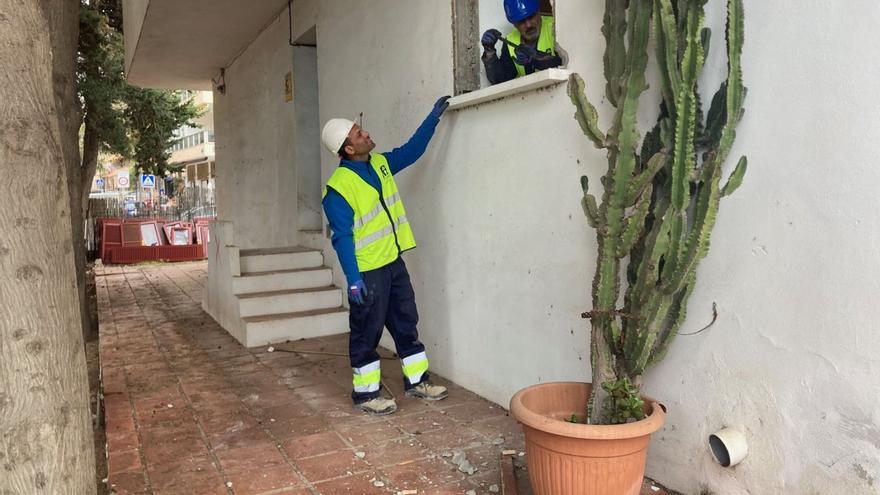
pixel 460 459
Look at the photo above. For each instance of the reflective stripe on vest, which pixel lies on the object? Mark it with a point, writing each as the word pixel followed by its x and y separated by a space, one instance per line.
pixel 546 42
pixel 381 232
pixel 367 378
pixel 415 366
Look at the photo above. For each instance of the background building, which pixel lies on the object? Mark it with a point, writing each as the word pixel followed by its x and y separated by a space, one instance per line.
pixel 194 146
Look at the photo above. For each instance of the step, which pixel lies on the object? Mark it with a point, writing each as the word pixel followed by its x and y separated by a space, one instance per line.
pixel 262 330
pixel 289 301
pixel 249 283
pixel 275 259
pixel 313 239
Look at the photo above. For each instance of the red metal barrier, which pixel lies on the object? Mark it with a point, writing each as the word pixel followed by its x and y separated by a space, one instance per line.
pixel 121 241
pixel 111 235
pixel 139 254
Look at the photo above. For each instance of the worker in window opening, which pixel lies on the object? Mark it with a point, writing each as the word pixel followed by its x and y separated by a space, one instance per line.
pixel 370 232
pixel 530 47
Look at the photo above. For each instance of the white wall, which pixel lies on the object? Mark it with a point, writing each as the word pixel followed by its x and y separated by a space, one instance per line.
pixel 254 128
pixel 794 265
pixel 308 138
pixel 505 259
pixel 477 200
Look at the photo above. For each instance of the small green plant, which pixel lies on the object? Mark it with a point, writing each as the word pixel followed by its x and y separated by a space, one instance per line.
pixel 660 194
pixel 623 404
pixel 573 419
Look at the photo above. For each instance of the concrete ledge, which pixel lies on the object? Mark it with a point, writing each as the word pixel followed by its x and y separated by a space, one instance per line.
pixel 519 85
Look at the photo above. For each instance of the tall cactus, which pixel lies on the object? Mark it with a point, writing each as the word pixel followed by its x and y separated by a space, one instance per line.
pixel 660 200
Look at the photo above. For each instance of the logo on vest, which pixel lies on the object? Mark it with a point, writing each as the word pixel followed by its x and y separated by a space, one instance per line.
pixel 384 171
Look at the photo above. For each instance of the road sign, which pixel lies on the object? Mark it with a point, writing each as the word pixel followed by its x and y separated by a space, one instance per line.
pixel 148 181
pixel 99 182
pixel 122 180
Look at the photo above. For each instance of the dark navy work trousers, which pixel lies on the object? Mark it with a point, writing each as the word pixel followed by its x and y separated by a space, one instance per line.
pixel 390 302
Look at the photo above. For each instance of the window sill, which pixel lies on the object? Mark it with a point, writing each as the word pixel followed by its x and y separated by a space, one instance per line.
pixel 549 77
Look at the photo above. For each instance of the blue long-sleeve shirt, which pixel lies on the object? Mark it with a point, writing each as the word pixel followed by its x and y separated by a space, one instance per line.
pixel 341 216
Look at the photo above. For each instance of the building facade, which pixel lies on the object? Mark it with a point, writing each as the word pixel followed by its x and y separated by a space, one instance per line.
pixel 505 258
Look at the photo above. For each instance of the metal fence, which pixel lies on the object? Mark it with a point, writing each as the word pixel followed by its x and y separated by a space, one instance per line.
pixel 189 203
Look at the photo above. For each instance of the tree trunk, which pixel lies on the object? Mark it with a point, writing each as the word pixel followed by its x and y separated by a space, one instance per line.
pixel 79 201
pixel 45 423
pixel 64 39
pixel 91 147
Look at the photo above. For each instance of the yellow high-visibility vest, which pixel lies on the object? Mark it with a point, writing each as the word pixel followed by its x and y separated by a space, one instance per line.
pixel 381 230
pixel 546 42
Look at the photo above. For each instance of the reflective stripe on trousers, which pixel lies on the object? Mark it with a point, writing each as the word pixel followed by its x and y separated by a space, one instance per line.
pixel 415 366
pixel 367 378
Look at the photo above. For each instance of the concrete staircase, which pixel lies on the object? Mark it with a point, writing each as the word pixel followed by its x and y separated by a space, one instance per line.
pixel 286 294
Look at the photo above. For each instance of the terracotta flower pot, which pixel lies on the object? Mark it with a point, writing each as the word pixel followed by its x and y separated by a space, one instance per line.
pixel 577 459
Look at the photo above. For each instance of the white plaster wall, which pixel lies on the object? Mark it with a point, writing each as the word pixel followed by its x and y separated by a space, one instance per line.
pixel 255 128
pixel 218 300
pixel 308 138
pixel 794 267
pixel 132 22
pixel 500 282
pixel 477 199
pixel 494 204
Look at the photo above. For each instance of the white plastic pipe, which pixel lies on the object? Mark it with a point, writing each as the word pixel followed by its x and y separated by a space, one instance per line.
pixel 729 446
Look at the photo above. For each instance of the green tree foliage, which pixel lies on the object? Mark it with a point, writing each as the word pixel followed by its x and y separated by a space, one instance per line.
pixel 152 116
pixel 101 81
pixel 118 118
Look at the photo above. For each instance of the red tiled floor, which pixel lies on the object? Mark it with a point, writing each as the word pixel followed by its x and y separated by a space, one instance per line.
pixel 250 458
pixel 279 422
pixel 422 422
pixel 332 465
pixel 394 452
pixel 128 483
pixel 264 479
pixel 119 461
pixel 295 427
pixel 125 440
pixel 424 474
pixel 186 476
pixel 358 434
pixel 461 437
pixel 314 444
pixel 359 484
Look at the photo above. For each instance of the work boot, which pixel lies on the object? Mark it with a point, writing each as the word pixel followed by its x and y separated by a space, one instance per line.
pixel 427 391
pixel 377 406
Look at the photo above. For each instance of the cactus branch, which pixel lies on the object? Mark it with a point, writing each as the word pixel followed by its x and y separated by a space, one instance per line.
pixel 659 202
pixel 585 112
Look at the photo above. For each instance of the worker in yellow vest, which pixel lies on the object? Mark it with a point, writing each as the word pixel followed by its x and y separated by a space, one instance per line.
pixel 530 47
pixel 370 232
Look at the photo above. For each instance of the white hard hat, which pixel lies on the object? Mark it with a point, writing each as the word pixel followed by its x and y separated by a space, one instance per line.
pixel 335 133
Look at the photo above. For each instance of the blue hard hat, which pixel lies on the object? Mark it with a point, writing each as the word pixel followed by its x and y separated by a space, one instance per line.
pixel 517 10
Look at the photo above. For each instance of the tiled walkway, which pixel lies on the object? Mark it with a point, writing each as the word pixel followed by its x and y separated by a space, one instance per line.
pixel 190 411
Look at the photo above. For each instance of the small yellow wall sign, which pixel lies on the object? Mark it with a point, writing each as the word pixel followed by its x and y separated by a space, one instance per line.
pixel 288 86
